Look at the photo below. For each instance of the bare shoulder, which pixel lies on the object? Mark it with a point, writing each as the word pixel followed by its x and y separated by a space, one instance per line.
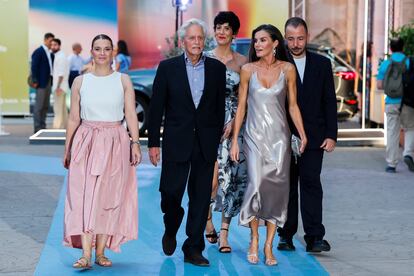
pixel 125 77
pixel 288 66
pixel 240 59
pixel 126 81
pixel 77 83
pixel 248 67
pixel 247 70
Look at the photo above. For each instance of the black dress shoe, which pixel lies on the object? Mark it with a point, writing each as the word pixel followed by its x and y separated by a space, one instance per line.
pixel 318 246
pixel 168 244
pixel 285 244
pixel 196 259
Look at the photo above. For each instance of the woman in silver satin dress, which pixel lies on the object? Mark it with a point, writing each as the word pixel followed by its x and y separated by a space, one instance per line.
pixel 265 83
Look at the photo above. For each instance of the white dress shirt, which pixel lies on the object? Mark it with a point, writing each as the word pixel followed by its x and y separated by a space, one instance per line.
pixel 60 69
pixel 76 63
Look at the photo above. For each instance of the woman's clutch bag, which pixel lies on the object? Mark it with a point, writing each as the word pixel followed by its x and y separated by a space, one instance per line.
pixel 295 144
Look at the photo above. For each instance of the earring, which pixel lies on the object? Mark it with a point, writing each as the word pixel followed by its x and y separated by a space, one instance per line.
pixel 274 51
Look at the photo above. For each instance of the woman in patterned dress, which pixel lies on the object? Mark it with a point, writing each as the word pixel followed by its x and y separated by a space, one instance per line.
pixel 230 179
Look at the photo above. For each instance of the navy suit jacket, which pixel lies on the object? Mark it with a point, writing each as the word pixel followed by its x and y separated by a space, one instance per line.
pixel 182 121
pixel 40 67
pixel 317 100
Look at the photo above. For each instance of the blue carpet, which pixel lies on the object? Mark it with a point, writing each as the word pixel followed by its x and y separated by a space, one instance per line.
pixel 144 256
pixel 31 164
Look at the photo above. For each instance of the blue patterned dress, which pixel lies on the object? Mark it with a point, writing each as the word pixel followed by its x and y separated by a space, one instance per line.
pixel 232 177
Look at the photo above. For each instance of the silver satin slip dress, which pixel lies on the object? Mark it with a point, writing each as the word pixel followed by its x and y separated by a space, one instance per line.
pixel 268 153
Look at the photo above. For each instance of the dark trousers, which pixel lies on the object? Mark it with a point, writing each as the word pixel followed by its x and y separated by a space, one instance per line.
pixel 307 171
pixel 41 107
pixel 72 76
pixel 174 176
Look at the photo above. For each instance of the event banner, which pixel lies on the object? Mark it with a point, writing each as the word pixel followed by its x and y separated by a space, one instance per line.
pixel 78 21
pixel 14 69
pixel 75 21
pixel 147 48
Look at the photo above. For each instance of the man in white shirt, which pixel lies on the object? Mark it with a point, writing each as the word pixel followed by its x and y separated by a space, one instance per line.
pixel 60 85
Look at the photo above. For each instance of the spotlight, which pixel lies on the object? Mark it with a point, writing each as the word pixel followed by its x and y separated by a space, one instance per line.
pixel 180 6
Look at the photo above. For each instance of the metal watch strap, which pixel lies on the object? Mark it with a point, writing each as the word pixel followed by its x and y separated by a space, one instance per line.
pixel 135 142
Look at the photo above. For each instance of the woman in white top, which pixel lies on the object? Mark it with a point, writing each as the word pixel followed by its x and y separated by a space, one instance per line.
pixel 101 200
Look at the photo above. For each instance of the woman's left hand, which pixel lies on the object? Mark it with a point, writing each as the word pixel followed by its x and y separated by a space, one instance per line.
pixel 304 142
pixel 136 156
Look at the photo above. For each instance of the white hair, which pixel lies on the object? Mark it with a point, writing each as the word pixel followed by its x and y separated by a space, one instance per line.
pixel 187 24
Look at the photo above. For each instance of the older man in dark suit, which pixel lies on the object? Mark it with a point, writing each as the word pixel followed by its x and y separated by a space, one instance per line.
pixel 41 69
pixel 189 90
pixel 317 103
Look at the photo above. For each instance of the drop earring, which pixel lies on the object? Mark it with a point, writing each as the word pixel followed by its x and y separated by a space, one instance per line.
pixel 274 51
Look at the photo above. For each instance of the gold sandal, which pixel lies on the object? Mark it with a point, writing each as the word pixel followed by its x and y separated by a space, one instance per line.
pixel 82 263
pixel 102 260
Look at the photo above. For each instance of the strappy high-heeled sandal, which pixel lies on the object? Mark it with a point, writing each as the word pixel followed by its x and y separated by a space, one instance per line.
pixel 272 260
pixel 253 257
pixel 226 248
pixel 82 263
pixel 212 237
pixel 102 260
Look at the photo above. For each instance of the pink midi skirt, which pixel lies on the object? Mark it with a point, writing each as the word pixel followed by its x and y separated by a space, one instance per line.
pixel 102 195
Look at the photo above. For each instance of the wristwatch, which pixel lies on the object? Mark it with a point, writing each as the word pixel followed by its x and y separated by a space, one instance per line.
pixel 135 142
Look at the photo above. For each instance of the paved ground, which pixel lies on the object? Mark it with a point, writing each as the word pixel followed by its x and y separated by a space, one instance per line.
pixel 367 213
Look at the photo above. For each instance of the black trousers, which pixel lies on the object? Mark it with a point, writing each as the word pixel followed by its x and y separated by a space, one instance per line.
pixel 174 176
pixel 41 107
pixel 72 76
pixel 307 171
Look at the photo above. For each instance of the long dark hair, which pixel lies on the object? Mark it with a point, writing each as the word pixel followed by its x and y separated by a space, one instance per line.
pixel 123 47
pixel 101 36
pixel 275 34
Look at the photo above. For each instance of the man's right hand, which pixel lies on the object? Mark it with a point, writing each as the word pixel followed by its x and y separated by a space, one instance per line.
pixel 154 155
pixel 59 91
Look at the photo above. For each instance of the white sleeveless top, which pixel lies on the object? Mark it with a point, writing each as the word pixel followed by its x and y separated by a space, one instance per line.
pixel 102 98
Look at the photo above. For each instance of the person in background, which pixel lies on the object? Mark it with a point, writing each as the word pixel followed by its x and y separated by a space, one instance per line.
pixel 230 178
pixel 89 67
pixel 122 59
pixel 101 206
pixel 41 72
pixel 76 63
pixel 60 85
pixel 367 84
pixel 398 115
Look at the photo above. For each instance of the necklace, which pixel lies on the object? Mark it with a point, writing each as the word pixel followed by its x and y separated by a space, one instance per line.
pixel 224 59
